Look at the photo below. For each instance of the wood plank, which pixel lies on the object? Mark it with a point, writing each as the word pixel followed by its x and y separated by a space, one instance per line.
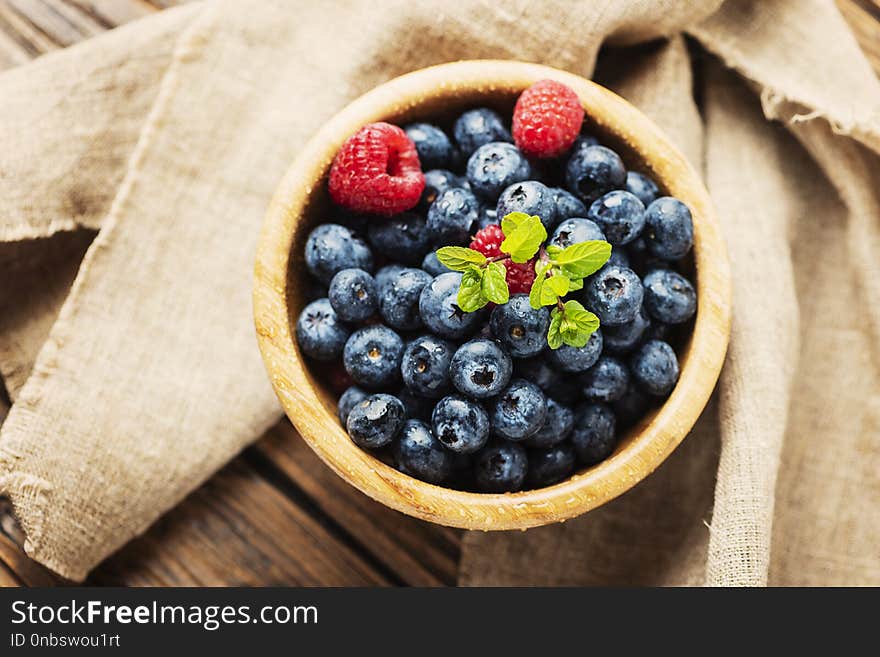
pixel 56 25
pixel 863 17
pixel 115 12
pixel 238 530
pixel 241 528
pixel 13 559
pixel 32 40
pixel 420 553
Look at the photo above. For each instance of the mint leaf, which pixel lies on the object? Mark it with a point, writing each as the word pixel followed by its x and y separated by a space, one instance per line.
pixel 494 284
pixel 577 325
pixel 575 284
pixel 550 290
pixel 554 334
pixel 523 242
pixel 512 221
pixel 573 325
pixel 584 258
pixel 458 258
pixel 553 250
pixel 537 286
pixel 559 284
pixel 470 293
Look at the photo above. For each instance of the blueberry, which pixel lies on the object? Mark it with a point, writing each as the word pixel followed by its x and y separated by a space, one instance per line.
pixel 583 141
pixel 641 259
pixel 550 465
pixel 669 296
pixel 519 327
pixel 495 167
pixel 438 307
pixel 433 146
pixel 620 215
pixel 577 359
pixel 614 294
pixel 460 424
pixel 519 411
pixel 593 171
pixel 320 332
pixel 593 436
pixel 488 216
pixel 624 338
pixel 419 454
pixel 500 468
pixel 654 366
pixel 658 331
pixel 575 230
pixel 385 275
pixel 348 400
pixel 606 381
pixel 531 197
pixel 372 356
pixel 399 299
pixel 353 295
pixel 425 365
pixel 619 258
pixel 431 264
pixel 478 127
pixel 669 230
pixel 642 186
pixel 549 379
pixel 568 205
pixel 556 428
pixel 630 408
pixel 375 420
pixel 438 181
pixel 403 237
pixel 331 248
pixel 452 216
pixel 480 368
pixel 417 407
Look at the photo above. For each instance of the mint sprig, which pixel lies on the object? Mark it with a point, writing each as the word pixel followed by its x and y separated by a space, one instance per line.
pixel 558 271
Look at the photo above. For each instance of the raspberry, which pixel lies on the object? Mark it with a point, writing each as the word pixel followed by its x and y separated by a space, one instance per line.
pixel 377 171
pixel 547 119
pixel 488 241
pixel 520 276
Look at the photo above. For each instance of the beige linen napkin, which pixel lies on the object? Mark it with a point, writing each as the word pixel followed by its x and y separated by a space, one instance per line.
pixel 169 135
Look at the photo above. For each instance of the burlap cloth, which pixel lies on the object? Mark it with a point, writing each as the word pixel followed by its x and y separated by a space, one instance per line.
pixel 168 136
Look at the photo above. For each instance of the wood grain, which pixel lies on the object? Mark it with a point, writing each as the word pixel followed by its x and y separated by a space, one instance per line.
pixel 299 204
pixel 29 28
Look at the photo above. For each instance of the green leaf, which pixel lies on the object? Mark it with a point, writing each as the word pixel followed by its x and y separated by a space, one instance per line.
pixel 470 293
pixel 584 258
pixel 550 290
pixel 494 285
pixel 577 324
pixel 540 277
pixel 559 284
pixel 573 325
pixel 523 242
pixel 458 258
pixel 554 334
pixel 553 250
pixel 512 221
pixel 575 284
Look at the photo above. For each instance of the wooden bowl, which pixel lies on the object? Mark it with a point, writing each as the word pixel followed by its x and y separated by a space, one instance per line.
pixel 438 94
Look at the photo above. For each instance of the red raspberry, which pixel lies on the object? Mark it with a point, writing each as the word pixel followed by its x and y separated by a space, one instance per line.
pixel 520 276
pixel 377 171
pixel 547 119
pixel 488 241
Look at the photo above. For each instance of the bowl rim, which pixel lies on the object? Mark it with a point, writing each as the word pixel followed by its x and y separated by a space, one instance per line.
pixel 652 441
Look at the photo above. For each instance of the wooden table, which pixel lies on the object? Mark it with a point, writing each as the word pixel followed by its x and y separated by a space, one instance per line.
pixel 276 514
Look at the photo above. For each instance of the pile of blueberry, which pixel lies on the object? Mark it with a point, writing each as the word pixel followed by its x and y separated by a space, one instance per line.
pixel 478 400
